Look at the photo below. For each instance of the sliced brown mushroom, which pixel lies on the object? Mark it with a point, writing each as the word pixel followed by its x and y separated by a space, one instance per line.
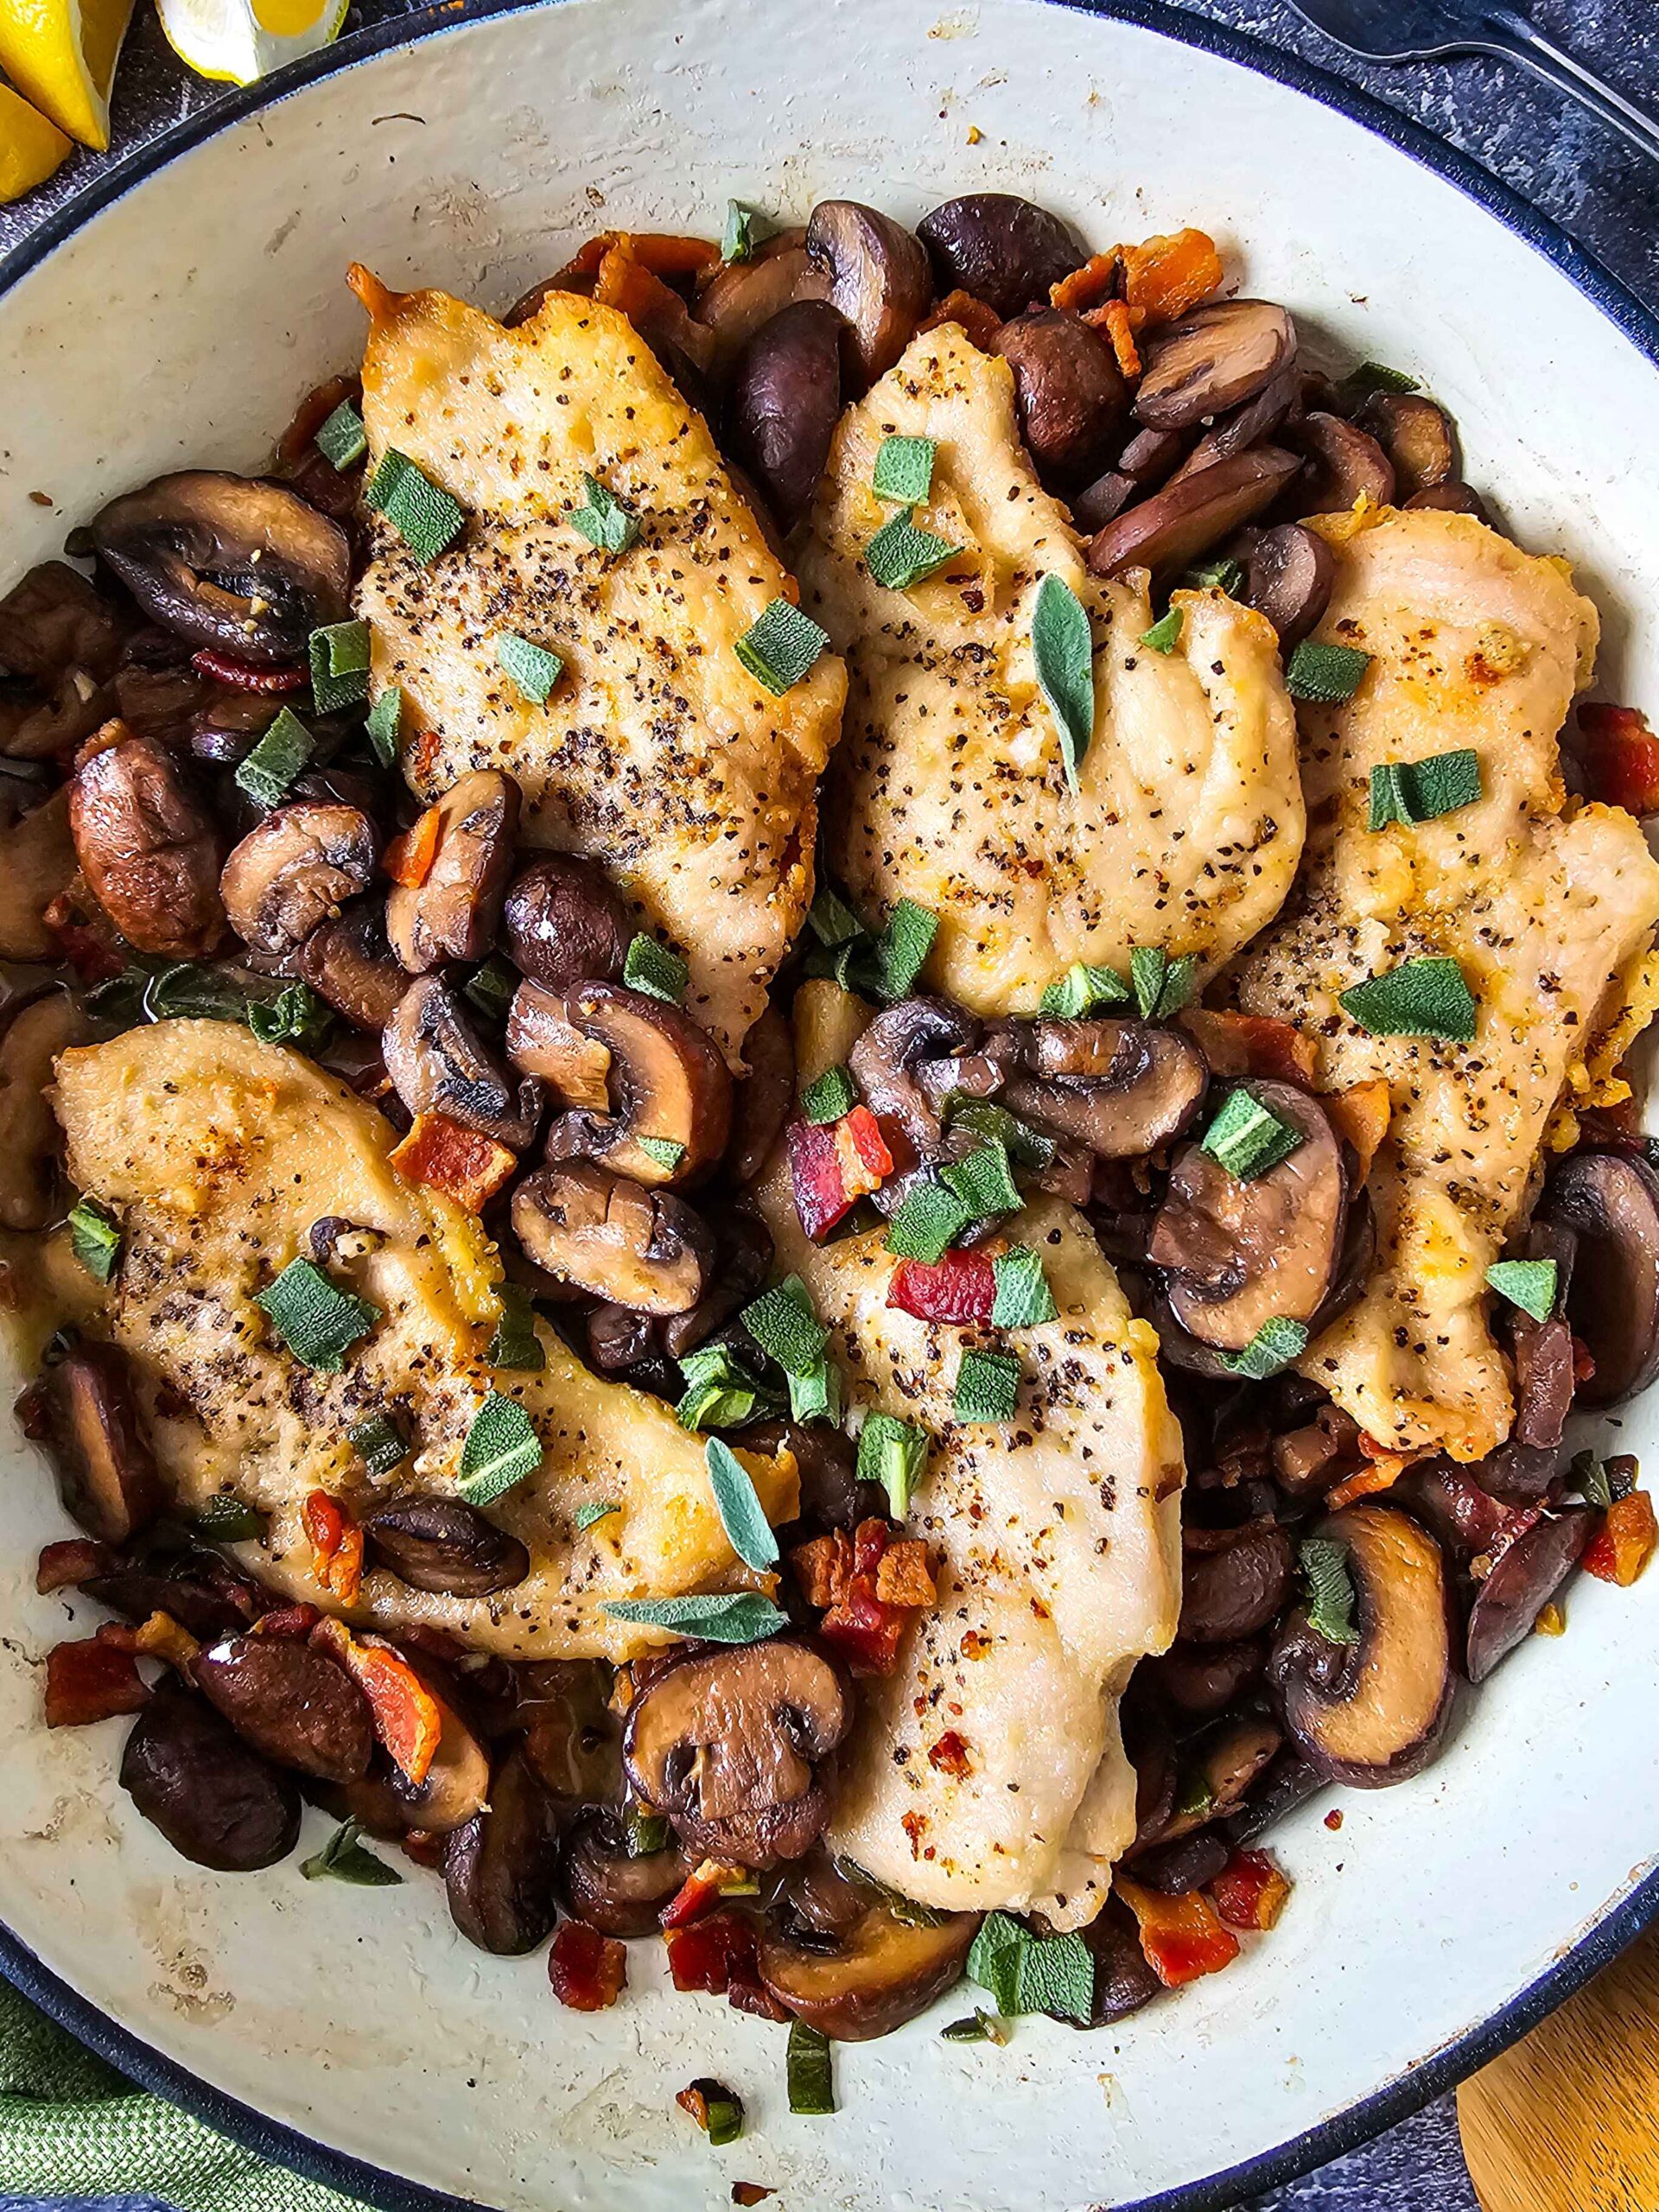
pixel 1418 438
pixel 37 862
pixel 453 912
pixel 741 295
pixel 148 847
pixel 1123 1979
pixel 562 923
pixel 879 277
pixel 1240 1254
pixel 1290 573
pixel 1103 500
pixel 1525 1575
pixel 106 1471
pixel 886 1059
pixel 1252 424
pixel 457 1783
pixel 743 1251
pixel 292 1703
pixel 1226 1760
pixel 53 620
pixel 630 1068
pixel 296 871
pixel 1217 357
pixel 785 404
pixel 34 1029
pixel 1072 396
pixel 761 1101
pixel 611 1889
pixel 728 1745
pixel 1610 1203
pixel 213 1798
pixel 1119 1087
pixel 443 1544
pixel 1006 251
pixel 239 564
pixel 1193 515
pixel 885 1972
pixel 1345 464
pixel 500 1867
pixel 350 961
pixel 1205 1680
pixel 438 1064
pixel 1373 1712
pixel 1279 1789
pixel 1454 498
pixel 572 1737
pixel 644 1249
pixel 40 728
pixel 1234 1581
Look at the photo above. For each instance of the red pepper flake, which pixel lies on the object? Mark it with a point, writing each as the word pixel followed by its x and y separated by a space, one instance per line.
pixel 959 1288
pixel 90 1681
pixel 1620 756
pixel 1249 1892
pixel 336 1545
pixel 1333 1821
pixel 1182 1938
pixel 750 2192
pixel 408 859
pixel 240 675
pixel 1624 1544
pixel 588 1971
pixel 862 1152
pixel 425 1848
pixel 705 1955
pixel 815 1174
pixel 67 1565
pixel 949 1755
pixel 699 1891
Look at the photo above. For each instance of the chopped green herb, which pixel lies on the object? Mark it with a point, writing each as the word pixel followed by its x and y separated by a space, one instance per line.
pixel 900 554
pixel 984 1182
pixel 1591 1477
pixel 385 720
pixel 1161 986
pixel 720 1392
pixel 1222 573
pixel 1062 648
pixel 95 1238
pixel 904 469
pixel 1026 1147
pixel 194 992
pixel 1023 1298
pixel 811 2071
pixel 1331 1589
pixel 604 521
pixel 893 1453
pixel 317 1321
pixel 785 1326
pixel 296 1016
pixel 994 1959
pixel 1529 1284
pixel 930 1219
pixel 744 230
pixel 533 670
pixel 742 1617
pixel 339 666
pixel 502 1447
pixel 1193 1795
pixel 1371 378
pixel 1419 998
pixel 833 1094
pixel 644 1833
pixel 1249 1138
pixel 342 440
pixel 1276 1343
pixel 652 967
pixel 815 1395
pixel 830 919
pixel 667 1152
pixel 423 515
pixel 515 1346
pixel 378 1444
pixel 1412 791
pixel 905 945
pixel 1326 675
pixel 1165 632
pixel 781 647
pixel 343 1859
pixel 227 1520
pixel 1033 1974
pixel 717 2110
pixel 281 754
pixel 596 1510
pixel 748 1529
pixel 988 1389
pixel 1082 989
pixel 979 2027
pixel 490 988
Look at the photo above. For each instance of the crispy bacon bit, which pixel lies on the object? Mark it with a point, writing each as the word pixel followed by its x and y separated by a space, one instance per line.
pixel 407 1717
pixel 699 1891
pixel 238 676
pixel 861 1151
pixel 336 1545
pixel 163 1637
pixel 1115 318
pixel 903 1576
pixel 65 1566
pixel 293 1624
pixel 1164 276
pixel 84 934
pixel 865 1623
pixel 1620 755
pixel 464 1164
pixel 949 1755
pixel 1382 1474
pixel 705 1955
pixel 750 2192
pixel 1361 1114
pixel 821 1197
pixel 1182 1938
pixel 1625 1544
pixel 1249 1892
pixel 1087 287
pixel 823 1568
pixel 979 321
pixel 864 1631
pixel 666 253
pixel 408 859
pixel 1252 1043
pixel 90 1681
pixel 624 280
pixel 587 1970
pixel 959 1288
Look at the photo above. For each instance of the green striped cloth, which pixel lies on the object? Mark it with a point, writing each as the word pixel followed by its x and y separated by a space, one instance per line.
pixel 70 2126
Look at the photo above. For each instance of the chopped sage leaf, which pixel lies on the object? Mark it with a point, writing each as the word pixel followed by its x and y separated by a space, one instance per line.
pixel 1371 378
pixel 339 666
pixel 296 1016
pixel 988 1389
pixel 905 945
pixel 744 228
pixel 533 669
pixel 748 1529
pixel 1161 986
pixel 596 1510
pixel 421 512
pixel 833 1094
pixel 667 1152
pixel 604 521
pixel 281 754
pixel 1033 1974
pixel 317 1321
pixel 95 1238
pixel 895 1454
pixel 502 1447
pixel 1419 998
pixel 515 1346
pixel 810 2069
pixel 1325 675
pixel 781 647
pixel 1413 792
pixel 1062 648
pixel 378 1444
pixel 901 554
pixel 1222 573
pixel 929 1220
pixel 342 440
pixel 343 1859
pixel 1165 632
pixel 904 469
pixel 815 1395
pixel 644 1833
pixel 1023 1298
pixel 1276 1343
pixel 1247 1138
pixel 490 988
pixel 720 1392
pixel 739 1617
pixel 830 919
pixel 984 1182
pixel 783 1324
pixel 227 1520
pixel 980 2026
pixel 717 2110
pixel 193 991
pixel 652 967
pixel 384 719
pixel 1529 1284
pixel 1026 1147
pixel 1082 989
pixel 1330 1588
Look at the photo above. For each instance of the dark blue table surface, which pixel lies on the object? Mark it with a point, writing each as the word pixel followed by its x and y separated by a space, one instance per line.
pixel 1569 166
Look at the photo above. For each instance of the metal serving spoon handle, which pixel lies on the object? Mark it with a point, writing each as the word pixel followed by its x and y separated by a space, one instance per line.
pixel 1519 38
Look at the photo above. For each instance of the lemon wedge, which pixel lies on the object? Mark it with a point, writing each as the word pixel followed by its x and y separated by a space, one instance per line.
pixel 238 41
pixel 31 147
pixel 60 54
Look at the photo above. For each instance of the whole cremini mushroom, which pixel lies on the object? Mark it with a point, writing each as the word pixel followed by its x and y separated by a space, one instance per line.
pixel 238 563
pixel 1372 1710
pixel 294 871
pixel 1609 1201
pixel 563 924
pixel 728 1745
pixel 500 1866
pixel 1524 1575
pixel 453 913
pixel 430 1541
pixel 646 1250
pixel 1119 1087
pixel 785 402
pixel 1072 396
pixel 741 295
pixel 614 1887
pixel 213 1798
pixel 148 847
pixel 879 281
pixel 291 1702
pixel 438 1064
pixel 1006 251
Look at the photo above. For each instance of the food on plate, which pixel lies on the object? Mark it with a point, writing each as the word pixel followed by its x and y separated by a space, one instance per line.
pixel 881 1399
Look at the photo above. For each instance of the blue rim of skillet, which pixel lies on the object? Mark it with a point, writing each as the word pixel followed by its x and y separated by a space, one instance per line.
pixel 1602 1940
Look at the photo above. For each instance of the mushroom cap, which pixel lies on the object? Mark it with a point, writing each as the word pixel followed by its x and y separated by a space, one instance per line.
pixel 454 912
pixel 438 1064
pixel 1609 1201
pixel 611 1237
pixel 148 850
pixel 294 870
pixel 881 1975
pixel 1119 1087
pixel 879 281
